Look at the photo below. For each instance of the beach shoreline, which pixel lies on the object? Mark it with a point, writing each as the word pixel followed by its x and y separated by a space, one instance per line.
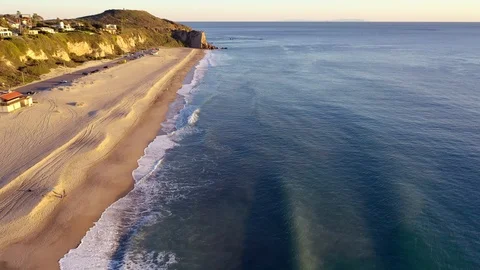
pixel 102 176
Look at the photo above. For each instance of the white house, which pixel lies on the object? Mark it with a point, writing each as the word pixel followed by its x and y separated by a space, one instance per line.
pixel 26 19
pixel 14 25
pixel 65 27
pixel 32 32
pixel 46 29
pixel 68 27
pixel 111 28
pixel 4 32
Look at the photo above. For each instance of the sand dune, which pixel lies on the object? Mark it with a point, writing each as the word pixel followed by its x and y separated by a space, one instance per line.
pixel 51 188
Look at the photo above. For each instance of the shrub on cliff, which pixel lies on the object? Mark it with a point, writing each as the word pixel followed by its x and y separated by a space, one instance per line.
pixel 39 68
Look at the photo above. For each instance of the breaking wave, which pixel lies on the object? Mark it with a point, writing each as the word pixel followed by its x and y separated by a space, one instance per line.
pixel 192 120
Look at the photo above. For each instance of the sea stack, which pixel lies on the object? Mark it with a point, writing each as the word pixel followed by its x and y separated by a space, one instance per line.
pixel 193 39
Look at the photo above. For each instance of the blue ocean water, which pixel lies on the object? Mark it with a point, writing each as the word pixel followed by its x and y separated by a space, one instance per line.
pixel 310 146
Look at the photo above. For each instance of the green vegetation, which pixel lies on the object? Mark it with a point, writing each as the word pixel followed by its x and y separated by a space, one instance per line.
pixel 146 30
pixel 4 23
pixel 136 19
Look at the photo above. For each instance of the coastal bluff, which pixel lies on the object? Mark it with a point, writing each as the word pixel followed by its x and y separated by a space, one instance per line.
pixel 193 39
pixel 112 33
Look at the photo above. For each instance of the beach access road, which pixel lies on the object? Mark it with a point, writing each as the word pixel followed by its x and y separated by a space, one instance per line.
pixel 51 83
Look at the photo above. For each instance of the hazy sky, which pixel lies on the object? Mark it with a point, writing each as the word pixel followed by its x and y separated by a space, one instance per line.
pixel 261 10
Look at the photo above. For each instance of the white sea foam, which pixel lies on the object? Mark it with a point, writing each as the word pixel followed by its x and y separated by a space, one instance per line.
pixel 130 213
pixel 152 260
pixel 192 120
pixel 153 156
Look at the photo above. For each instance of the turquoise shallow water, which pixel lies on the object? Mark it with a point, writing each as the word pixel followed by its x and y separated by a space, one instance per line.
pixel 310 146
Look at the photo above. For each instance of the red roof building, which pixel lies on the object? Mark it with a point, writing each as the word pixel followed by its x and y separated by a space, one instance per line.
pixel 10 96
pixel 14 100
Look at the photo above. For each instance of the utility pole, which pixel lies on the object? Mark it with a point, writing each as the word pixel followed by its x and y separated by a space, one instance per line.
pixel 20 26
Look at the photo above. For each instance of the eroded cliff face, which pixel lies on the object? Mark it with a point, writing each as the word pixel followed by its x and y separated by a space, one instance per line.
pixel 39 55
pixel 63 55
pixel 6 62
pixel 193 39
pixel 104 49
pixel 126 45
pixel 83 48
pixel 130 44
pixel 79 48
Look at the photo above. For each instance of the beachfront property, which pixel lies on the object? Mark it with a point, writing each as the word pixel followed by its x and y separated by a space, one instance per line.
pixel 14 25
pixel 25 19
pixel 111 28
pixel 78 24
pixel 31 32
pixel 46 30
pixel 62 27
pixel 12 101
pixel 4 32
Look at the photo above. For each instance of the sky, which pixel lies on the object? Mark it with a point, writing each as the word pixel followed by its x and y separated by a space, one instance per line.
pixel 261 10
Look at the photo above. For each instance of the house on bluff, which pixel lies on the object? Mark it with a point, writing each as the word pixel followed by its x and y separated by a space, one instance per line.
pixel 4 32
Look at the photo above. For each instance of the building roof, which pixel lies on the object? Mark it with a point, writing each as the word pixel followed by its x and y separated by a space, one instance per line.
pixel 10 96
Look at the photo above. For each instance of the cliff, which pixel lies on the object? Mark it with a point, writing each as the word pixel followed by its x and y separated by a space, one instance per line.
pixel 193 39
pixel 25 58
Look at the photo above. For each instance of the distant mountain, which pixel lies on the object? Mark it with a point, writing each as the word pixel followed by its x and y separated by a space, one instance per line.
pixel 134 19
pixel 339 20
pixel 348 20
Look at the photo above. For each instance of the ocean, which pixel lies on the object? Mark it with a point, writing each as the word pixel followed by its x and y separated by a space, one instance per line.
pixel 310 146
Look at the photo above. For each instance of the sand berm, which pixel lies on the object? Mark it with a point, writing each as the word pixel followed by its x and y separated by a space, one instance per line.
pixel 67 158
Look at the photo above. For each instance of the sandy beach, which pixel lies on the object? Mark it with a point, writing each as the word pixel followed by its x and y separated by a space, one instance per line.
pixel 71 155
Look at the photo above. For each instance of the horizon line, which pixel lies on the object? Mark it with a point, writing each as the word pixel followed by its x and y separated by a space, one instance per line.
pixel 325 21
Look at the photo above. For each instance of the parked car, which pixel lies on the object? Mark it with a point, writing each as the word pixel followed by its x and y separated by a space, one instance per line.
pixel 85 73
pixel 64 81
pixel 105 67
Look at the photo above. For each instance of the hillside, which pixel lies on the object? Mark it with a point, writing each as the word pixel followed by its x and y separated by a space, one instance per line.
pixel 25 58
pixel 137 19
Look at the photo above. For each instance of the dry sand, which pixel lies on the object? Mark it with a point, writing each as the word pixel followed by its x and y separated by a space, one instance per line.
pixel 83 141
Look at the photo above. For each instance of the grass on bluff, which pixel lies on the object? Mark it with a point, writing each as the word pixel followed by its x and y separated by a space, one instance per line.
pixel 136 19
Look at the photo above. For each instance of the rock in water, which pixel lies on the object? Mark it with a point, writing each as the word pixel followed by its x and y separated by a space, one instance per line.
pixel 193 39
